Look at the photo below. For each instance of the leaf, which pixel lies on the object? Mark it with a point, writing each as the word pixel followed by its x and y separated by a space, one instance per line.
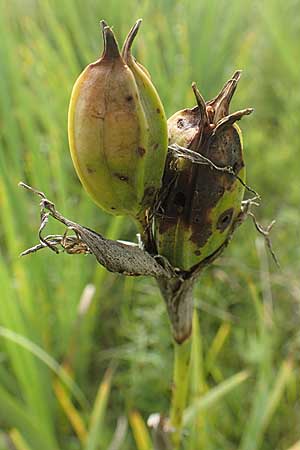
pixel 98 412
pixel 214 395
pixel 48 360
pixel 266 401
pixel 71 412
pixel 18 440
pixel 140 431
pixel 15 412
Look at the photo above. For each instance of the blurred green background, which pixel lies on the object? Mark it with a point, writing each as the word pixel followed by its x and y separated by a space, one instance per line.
pixel 64 320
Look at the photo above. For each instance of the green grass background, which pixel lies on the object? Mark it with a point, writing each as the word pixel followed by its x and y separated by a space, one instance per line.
pixel 247 309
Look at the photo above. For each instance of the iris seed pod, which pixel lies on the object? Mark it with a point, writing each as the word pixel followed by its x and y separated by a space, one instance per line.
pixel 110 135
pixel 198 203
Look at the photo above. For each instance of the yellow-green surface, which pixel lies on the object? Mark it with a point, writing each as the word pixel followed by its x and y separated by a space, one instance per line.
pixel 248 310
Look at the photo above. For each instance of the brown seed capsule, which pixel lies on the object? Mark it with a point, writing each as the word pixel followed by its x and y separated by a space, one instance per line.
pixel 199 203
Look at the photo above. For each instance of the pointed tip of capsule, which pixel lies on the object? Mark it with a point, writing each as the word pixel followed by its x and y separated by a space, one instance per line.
pixel 111 47
pixel 221 102
pixel 200 102
pixel 126 50
pixel 229 120
pixel 237 75
pixel 103 24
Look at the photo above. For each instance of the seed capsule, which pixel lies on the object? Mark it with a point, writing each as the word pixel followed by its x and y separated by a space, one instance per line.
pixel 198 203
pixel 110 134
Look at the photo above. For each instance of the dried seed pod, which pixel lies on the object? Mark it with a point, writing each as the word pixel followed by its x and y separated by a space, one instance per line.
pixel 186 127
pixel 198 203
pixel 110 136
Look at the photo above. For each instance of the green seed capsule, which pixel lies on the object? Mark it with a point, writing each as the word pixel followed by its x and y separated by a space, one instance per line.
pixel 198 203
pixel 111 134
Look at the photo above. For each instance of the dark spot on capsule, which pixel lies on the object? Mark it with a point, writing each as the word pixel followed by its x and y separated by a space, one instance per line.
pixel 112 207
pixel 197 253
pixel 90 170
pixel 236 167
pixel 155 146
pixel 228 182
pixel 179 201
pixel 129 98
pixel 201 188
pixel 141 151
pixel 225 219
pixel 121 177
pixel 202 231
pixel 180 123
pixel 157 110
pixel 225 148
pixel 197 218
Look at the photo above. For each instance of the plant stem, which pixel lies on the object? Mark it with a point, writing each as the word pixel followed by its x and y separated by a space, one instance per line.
pixel 182 353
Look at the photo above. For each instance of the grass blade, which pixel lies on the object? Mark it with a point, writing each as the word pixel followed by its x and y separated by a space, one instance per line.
pixel 266 402
pixel 71 412
pixel 140 431
pixel 214 395
pixel 18 440
pixel 48 360
pixel 98 412
pixel 13 411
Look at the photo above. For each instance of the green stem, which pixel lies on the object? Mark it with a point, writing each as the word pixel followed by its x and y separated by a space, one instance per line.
pixel 182 353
